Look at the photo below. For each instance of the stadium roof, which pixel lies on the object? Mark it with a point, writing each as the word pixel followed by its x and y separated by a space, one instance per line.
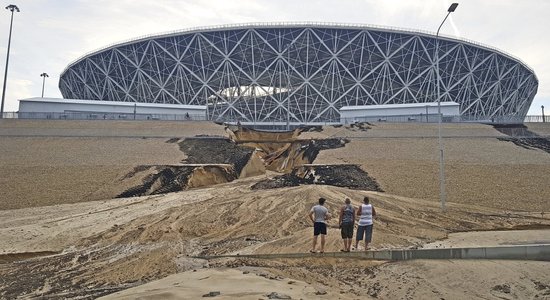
pixel 292 25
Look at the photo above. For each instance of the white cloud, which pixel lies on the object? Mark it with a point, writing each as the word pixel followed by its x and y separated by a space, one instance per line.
pixel 19 89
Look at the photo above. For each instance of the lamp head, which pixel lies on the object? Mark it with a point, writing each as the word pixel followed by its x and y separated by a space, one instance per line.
pixel 452 7
pixel 12 7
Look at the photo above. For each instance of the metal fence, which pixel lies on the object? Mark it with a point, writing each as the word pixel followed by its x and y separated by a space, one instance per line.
pixel 418 118
pixel 434 118
pixel 103 116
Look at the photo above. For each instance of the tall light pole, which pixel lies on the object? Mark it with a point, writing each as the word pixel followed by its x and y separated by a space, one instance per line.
pixel 442 194
pixel 43 82
pixel 288 88
pixel 12 8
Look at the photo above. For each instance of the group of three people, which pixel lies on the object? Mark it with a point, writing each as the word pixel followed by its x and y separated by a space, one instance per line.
pixel 319 215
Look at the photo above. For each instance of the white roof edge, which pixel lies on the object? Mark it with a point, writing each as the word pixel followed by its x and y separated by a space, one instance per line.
pixel 294 24
pixel 404 105
pixel 117 103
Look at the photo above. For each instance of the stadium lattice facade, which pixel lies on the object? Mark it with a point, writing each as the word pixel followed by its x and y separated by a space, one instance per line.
pixel 303 72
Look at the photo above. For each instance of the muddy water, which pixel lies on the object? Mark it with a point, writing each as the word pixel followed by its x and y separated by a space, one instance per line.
pixel 493 238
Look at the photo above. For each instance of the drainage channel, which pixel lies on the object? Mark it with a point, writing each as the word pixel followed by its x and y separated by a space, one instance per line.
pixel 524 252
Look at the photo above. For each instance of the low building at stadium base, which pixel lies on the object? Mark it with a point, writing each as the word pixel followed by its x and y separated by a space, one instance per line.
pixel 303 73
pixel 57 108
pixel 71 109
pixel 411 112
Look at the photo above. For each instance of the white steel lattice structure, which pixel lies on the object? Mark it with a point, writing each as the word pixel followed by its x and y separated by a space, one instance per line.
pixel 302 72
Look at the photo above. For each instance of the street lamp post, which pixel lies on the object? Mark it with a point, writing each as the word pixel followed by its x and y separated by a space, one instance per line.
pixel 442 194
pixel 288 89
pixel 43 82
pixel 12 8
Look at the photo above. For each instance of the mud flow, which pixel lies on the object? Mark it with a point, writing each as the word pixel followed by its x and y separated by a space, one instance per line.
pixel 520 135
pixel 247 152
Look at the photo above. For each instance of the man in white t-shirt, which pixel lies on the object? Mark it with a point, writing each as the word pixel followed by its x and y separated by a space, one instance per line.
pixel 319 215
pixel 366 214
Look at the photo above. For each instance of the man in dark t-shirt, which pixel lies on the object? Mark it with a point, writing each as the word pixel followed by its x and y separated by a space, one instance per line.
pixel 346 222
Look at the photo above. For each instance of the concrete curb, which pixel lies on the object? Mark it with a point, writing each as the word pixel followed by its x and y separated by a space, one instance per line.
pixel 525 252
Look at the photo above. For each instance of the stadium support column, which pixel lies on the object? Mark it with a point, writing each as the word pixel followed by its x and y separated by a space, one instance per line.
pixel 442 194
pixel 12 8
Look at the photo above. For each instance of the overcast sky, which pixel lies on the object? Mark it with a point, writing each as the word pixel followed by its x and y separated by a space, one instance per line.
pixel 49 34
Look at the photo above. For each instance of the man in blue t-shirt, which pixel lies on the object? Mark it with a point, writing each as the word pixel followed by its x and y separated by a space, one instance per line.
pixel 319 215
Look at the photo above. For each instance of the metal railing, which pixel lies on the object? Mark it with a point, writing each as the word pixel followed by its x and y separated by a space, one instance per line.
pixel 433 118
pixel 412 118
pixel 102 116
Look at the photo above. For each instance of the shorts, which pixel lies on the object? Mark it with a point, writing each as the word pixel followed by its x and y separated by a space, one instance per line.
pixel 319 228
pixel 367 231
pixel 346 230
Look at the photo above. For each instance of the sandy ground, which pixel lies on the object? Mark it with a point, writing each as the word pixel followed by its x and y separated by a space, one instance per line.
pixel 420 279
pixel 106 246
pixel 540 128
pixel 493 238
pixel 38 171
pixel 59 128
pixel 480 170
pixel 464 279
pixel 90 249
pixel 245 283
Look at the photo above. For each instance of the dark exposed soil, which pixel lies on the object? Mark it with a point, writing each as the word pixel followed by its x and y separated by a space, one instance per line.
pixel 167 179
pixel 530 143
pixel 351 176
pixel 362 126
pixel 172 140
pixel 311 129
pixel 515 130
pixel 285 180
pixel 523 137
pixel 215 151
pixel 312 147
pixel 199 150
pixel 326 144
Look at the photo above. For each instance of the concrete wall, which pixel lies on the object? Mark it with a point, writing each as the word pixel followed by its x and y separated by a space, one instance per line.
pixel 524 252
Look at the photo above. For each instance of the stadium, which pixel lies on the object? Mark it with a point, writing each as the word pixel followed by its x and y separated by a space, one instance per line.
pixel 303 73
